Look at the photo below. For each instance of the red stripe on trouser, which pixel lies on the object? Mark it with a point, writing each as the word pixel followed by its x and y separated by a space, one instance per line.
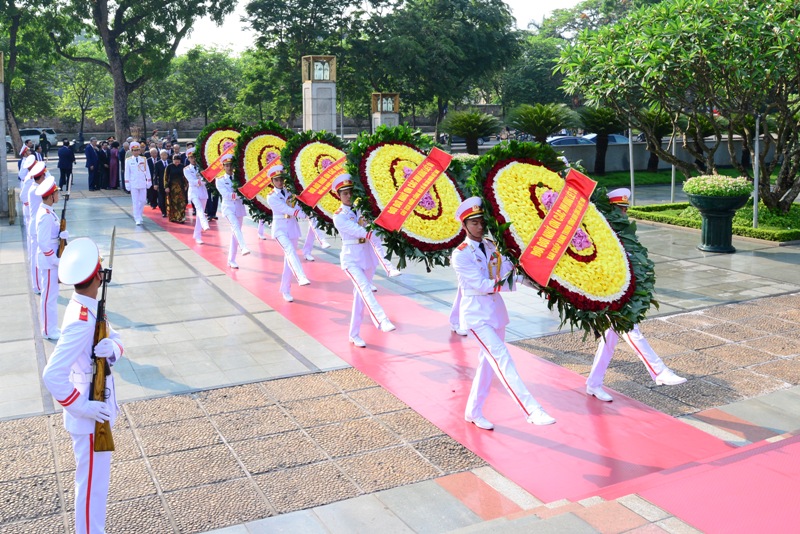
pixel 38 285
pixel 286 257
pixel 639 352
pixel 380 257
pixel 500 372
pixel 358 288
pixel 89 483
pixel 44 303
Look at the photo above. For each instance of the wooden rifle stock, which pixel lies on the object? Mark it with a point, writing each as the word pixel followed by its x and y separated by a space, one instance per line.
pixel 103 440
pixel 62 243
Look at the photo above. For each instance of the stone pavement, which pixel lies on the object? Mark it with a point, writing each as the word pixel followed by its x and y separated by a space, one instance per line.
pixel 235 418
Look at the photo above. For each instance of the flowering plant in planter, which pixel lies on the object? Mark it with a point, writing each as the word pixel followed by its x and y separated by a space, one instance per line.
pixel 715 185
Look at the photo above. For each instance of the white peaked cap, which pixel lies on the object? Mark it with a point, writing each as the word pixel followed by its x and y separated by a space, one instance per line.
pixel 472 207
pixel 79 262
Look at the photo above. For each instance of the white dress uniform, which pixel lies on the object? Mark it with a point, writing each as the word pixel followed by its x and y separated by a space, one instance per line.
pixel 47 232
pixel 34 201
pixel 233 210
pixel 314 234
pixel 484 313
pixel 68 377
pixel 608 343
pixel 137 176
pixel 358 261
pixel 198 195
pixel 286 231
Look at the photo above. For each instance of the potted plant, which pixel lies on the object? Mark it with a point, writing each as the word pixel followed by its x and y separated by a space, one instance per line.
pixel 717 198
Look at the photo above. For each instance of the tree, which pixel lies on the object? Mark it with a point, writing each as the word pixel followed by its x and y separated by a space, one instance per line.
pixel 85 88
pixel 589 15
pixel 202 83
pixel 28 58
pixel 602 121
pixel 471 125
pixel 138 44
pixel 675 55
pixel 530 79
pixel 543 120
pixel 658 123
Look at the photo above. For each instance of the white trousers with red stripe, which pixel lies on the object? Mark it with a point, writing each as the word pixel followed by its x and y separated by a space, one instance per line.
pixel 138 200
pixel 291 262
pixel 33 252
pixel 200 220
pixel 495 359
pixel 48 307
pixel 313 234
pixel 605 351
pixel 92 476
pixel 237 238
pixel 363 297
pixel 380 254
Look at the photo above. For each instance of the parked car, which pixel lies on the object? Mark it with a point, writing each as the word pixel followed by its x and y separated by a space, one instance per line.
pixel 613 139
pixel 456 139
pixel 9 146
pixel 34 133
pixel 568 140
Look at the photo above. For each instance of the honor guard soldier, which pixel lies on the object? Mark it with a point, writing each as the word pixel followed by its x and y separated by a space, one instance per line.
pixel 198 195
pixel 658 370
pixel 481 270
pixel 37 174
pixel 358 261
pixel 68 377
pixel 313 234
pixel 47 238
pixel 286 231
pixel 26 180
pixel 137 175
pixel 233 210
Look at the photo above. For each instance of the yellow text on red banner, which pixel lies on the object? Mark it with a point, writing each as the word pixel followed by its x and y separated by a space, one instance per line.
pixel 258 182
pixel 410 193
pixel 558 227
pixel 211 172
pixel 320 185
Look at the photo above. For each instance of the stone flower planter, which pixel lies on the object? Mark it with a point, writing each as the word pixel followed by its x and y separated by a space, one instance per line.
pixel 717 214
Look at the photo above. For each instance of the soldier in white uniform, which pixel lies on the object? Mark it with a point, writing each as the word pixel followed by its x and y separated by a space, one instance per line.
pixel 47 235
pixel 662 374
pixel 286 231
pixel 26 180
pixel 37 174
pixel 198 195
pixel 233 210
pixel 480 268
pixel 456 325
pixel 358 261
pixel 68 377
pixel 313 234
pixel 137 175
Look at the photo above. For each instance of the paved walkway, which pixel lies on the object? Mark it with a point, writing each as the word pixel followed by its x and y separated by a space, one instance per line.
pixel 191 330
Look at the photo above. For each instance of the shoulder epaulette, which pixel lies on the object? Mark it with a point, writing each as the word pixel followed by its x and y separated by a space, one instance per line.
pixel 462 246
pixel 84 315
pixel 337 212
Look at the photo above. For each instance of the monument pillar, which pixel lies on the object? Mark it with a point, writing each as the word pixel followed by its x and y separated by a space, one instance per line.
pixel 385 109
pixel 319 93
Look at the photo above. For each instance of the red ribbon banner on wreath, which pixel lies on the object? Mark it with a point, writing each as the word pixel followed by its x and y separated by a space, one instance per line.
pixel 211 172
pixel 258 182
pixel 320 185
pixel 558 227
pixel 417 184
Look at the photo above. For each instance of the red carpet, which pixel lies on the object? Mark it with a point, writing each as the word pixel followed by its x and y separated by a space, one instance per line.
pixel 593 444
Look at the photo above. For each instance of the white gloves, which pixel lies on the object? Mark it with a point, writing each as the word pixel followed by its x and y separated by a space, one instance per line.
pixel 64 235
pixel 104 349
pixel 95 410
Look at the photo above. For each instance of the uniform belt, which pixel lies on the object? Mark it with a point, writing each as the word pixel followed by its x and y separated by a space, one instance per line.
pixel 80 378
pixel 359 241
pixel 474 293
pixel 288 216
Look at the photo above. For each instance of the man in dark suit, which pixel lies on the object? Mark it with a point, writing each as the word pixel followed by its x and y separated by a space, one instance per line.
pixel 152 192
pixel 103 161
pixel 66 159
pixel 158 181
pixel 92 163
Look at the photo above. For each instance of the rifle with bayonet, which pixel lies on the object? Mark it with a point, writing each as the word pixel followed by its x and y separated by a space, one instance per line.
pixel 103 440
pixel 62 243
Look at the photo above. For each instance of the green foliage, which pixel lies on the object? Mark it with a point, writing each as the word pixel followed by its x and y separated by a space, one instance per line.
pixel 602 121
pixel 530 79
pixel 673 55
pixel 595 322
pixel 772 226
pixel 85 88
pixel 542 120
pixel 471 125
pixel 288 154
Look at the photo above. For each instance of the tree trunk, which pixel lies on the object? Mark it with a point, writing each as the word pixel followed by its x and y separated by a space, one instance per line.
pixel 144 117
pixel 600 154
pixel 472 145
pixel 122 124
pixel 652 161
